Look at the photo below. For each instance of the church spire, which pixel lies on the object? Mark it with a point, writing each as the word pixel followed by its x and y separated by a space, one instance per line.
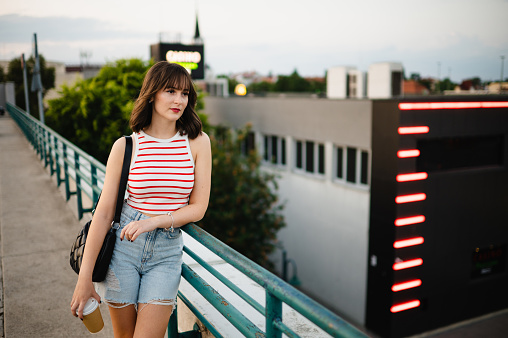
pixel 197 37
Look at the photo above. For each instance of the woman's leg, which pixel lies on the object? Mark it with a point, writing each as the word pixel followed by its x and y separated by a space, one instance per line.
pixel 152 320
pixel 123 320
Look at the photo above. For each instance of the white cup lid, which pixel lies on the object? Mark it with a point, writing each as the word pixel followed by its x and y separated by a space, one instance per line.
pixel 90 306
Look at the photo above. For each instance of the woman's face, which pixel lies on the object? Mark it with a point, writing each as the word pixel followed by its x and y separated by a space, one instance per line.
pixel 170 103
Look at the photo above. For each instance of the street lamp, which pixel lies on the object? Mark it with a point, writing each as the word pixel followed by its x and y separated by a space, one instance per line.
pixel 501 79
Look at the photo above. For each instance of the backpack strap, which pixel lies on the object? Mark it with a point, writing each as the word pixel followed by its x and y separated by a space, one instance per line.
pixel 123 179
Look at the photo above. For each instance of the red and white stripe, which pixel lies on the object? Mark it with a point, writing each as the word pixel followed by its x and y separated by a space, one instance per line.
pixel 161 177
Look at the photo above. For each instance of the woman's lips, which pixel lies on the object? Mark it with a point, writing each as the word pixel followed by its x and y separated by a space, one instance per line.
pixel 176 110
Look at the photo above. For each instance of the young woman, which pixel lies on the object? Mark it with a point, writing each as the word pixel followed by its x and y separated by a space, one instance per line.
pixel 168 187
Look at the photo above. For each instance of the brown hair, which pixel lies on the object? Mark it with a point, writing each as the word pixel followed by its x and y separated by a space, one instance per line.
pixel 161 76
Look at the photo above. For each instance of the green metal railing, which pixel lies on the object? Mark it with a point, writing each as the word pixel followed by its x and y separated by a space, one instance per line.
pixel 66 159
pixel 63 158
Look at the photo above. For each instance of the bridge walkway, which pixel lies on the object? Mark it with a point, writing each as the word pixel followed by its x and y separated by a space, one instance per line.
pixel 36 232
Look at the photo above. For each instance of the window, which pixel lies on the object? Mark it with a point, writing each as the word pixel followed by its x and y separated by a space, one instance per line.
pixel 321 159
pixel 339 163
pixel 351 165
pixel 310 156
pixel 274 149
pixel 265 153
pixel 248 144
pixel 352 86
pixel 299 154
pixel 283 151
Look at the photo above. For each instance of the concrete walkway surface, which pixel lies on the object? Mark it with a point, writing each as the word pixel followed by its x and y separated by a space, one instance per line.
pixel 37 229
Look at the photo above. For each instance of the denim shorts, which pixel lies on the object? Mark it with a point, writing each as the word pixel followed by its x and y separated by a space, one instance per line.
pixel 145 271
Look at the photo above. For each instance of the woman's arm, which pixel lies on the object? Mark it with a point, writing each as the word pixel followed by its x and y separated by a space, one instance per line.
pixel 198 200
pixel 101 223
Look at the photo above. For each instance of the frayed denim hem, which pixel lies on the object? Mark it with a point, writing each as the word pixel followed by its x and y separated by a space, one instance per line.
pixel 121 305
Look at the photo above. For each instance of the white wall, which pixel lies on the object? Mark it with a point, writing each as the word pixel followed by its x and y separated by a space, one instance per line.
pixel 327 220
pixel 327 236
pixel 336 82
pixel 380 79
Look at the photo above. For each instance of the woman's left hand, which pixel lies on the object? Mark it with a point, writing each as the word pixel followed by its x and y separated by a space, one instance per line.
pixel 135 228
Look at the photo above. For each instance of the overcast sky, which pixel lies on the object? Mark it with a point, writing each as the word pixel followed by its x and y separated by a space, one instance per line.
pixel 457 38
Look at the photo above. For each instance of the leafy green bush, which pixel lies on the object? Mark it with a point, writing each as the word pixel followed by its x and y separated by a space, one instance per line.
pixel 243 210
pixel 93 113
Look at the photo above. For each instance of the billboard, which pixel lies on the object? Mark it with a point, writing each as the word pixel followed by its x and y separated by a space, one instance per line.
pixel 188 56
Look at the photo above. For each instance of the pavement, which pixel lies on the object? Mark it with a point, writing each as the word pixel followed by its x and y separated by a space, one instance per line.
pixel 37 229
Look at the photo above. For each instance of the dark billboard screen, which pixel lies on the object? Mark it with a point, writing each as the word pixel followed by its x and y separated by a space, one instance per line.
pixel 189 56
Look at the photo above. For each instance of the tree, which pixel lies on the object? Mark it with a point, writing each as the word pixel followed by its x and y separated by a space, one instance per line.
pixel 93 113
pixel 15 74
pixel 447 84
pixel 262 86
pixel 292 83
pixel 242 211
pixel 2 75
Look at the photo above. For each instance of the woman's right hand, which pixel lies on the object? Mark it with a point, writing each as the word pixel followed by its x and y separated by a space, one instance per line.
pixel 82 293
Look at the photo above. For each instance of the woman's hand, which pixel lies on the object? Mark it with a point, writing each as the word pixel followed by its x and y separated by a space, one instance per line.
pixel 82 293
pixel 135 228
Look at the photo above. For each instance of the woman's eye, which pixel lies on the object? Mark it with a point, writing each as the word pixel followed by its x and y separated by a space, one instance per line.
pixel 185 94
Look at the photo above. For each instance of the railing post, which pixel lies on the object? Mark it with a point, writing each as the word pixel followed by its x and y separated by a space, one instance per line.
pixel 173 325
pixel 57 162
pixel 66 172
pixel 93 174
pixel 77 179
pixel 51 153
pixel 273 313
pixel 45 146
pixel 40 142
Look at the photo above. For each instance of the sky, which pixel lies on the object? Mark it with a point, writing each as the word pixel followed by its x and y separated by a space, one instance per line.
pixel 458 39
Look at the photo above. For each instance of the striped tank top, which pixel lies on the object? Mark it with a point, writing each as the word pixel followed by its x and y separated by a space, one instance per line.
pixel 161 175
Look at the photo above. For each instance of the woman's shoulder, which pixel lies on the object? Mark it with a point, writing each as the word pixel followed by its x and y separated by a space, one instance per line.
pixel 200 143
pixel 119 145
pixel 201 140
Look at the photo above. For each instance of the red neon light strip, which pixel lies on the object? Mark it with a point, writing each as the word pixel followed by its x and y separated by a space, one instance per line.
pixel 407 264
pixel 451 105
pixel 408 153
pixel 413 130
pixel 400 222
pixel 407 285
pixel 411 177
pixel 408 242
pixel 410 198
pixel 405 306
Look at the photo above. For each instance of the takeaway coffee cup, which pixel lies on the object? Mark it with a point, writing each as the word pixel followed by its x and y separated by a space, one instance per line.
pixel 92 317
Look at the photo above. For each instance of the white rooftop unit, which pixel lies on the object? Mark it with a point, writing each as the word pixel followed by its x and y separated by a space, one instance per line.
pixel 385 80
pixel 337 82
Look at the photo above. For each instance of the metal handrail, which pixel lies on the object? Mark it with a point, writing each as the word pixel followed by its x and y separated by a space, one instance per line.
pixel 84 170
pixel 277 292
pixel 64 159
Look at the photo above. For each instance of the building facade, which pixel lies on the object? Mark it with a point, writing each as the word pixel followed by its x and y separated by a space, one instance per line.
pixel 395 209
